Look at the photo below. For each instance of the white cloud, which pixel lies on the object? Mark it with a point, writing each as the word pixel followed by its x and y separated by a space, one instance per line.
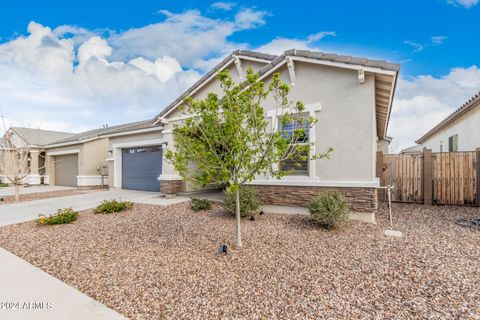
pixel 249 18
pixel 422 102
pixel 279 45
pixel 415 45
pixel 436 40
pixel 71 78
pixel 464 3
pixel 226 6
pixel 190 37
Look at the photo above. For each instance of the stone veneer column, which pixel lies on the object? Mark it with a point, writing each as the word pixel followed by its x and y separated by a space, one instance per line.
pixel 170 181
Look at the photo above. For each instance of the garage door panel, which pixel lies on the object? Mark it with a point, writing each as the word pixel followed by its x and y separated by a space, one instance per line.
pixel 141 168
pixel 66 170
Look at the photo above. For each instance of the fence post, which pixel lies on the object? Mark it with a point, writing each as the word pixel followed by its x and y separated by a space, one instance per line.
pixel 379 168
pixel 427 177
pixel 379 171
pixel 477 164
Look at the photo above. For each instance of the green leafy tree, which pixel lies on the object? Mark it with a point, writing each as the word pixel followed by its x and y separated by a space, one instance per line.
pixel 230 141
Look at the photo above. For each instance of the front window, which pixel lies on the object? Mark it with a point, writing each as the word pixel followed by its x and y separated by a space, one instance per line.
pixel 453 143
pixel 298 162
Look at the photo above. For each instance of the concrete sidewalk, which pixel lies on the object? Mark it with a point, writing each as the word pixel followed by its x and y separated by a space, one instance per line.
pixel 26 292
pixel 29 210
pixel 10 191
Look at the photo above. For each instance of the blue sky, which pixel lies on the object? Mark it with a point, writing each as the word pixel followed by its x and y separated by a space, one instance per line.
pixel 91 47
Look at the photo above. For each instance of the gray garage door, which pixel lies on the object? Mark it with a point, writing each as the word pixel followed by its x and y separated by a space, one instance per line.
pixel 141 167
pixel 66 170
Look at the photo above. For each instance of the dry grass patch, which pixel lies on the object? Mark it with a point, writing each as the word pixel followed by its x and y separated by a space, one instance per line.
pixel 150 262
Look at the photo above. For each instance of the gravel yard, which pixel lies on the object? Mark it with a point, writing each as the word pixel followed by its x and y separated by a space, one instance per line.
pixel 161 263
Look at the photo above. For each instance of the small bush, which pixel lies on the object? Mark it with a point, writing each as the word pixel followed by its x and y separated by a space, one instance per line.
pixel 110 206
pixel 66 215
pixel 248 201
pixel 199 204
pixel 329 209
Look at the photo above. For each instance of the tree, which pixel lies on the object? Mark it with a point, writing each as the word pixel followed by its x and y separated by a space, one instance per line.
pixel 231 141
pixel 15 160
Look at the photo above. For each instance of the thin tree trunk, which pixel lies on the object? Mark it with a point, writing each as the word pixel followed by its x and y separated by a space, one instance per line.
pixel 17 192
pixel 237 209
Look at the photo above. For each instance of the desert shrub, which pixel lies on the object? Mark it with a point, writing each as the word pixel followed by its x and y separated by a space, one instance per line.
pixel 110 206
pixel 329 209
pixel 66 215
pixel 248 201
pixel 199 204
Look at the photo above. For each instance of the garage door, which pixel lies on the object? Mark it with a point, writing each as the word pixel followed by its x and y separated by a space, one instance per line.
pixel 141 167
pixel 66 170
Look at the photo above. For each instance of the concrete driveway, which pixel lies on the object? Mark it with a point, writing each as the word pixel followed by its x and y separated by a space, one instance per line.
pixel 29 210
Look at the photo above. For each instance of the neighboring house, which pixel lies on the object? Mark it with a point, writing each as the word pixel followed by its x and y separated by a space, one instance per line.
pixel 383 144
pixel 35 141
pixel 416 149
pixel 460 131
pixel 350 97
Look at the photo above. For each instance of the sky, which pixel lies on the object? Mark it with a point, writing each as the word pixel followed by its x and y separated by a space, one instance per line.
pixel 76 67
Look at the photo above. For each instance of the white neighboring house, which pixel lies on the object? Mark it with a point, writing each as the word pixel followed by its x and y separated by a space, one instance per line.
pixel 460 131
pixel 33 140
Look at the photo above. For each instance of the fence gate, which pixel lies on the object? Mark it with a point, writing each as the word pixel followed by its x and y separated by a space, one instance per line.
pixel 454 178
pixel 404 172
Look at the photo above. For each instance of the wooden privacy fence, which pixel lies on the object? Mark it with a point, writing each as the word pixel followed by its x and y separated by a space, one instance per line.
pixel 432 178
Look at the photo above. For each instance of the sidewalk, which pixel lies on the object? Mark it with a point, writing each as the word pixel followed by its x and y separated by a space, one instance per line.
pixel 26 292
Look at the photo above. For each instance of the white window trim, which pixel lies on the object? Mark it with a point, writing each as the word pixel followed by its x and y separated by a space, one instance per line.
pixel 311 109
pixel 117 156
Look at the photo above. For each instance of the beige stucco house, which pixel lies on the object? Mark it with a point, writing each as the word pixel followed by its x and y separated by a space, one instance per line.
pixel 460 131
pixel 351 98
pixel 33 142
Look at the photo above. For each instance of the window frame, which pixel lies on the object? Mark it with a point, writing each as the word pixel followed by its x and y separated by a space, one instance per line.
pixel 311 109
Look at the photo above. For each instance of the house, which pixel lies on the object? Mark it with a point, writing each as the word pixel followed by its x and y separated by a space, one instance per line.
pixel 460 131
pixel 34 142
pixel 383 144
pixel 80 159
pixel 350 97
pixel 416 149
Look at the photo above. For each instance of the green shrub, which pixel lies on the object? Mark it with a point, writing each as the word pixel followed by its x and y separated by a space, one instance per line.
pixel 329 209
pixel 248 201
pixel 199 204
pixel 3 185
pixel 110 206
pixel 66 215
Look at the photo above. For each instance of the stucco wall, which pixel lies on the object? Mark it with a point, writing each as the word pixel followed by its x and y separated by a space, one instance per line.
pixel 346 120
pixel 93 155
pixel 468 129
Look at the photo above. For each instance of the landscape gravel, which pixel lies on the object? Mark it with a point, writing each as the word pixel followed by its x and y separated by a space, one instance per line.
pixel 162 263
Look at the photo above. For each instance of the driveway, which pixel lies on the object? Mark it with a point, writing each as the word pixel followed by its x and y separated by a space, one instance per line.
pixel 26 211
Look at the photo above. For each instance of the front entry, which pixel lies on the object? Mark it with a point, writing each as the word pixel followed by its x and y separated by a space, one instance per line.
pixel 141 167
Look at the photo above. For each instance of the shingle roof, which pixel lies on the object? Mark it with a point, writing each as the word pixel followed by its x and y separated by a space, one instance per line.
pixel 82 136
pixel 40 137
pixel 464 108
pixel 413 149
pixel 381 64
pixel 247 53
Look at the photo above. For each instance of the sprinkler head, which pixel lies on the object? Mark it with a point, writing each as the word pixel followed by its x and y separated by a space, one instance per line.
pixel 252 218
pixel 261 212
